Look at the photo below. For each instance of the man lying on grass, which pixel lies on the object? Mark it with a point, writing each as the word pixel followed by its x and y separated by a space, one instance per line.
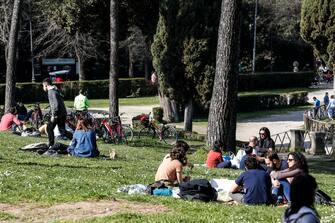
pixel 253 186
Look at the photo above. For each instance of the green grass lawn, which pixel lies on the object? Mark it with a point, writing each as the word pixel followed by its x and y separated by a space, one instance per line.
pixel 28 177
pixel 103 103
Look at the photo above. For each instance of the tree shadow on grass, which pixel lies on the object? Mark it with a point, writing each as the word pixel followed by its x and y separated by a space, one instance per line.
pixel 62 165
pixel 325 166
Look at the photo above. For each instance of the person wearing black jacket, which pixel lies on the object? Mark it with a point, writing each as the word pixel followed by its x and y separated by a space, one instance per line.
pixel 58 112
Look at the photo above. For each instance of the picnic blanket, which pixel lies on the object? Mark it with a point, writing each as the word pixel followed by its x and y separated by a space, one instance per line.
pixel 222 186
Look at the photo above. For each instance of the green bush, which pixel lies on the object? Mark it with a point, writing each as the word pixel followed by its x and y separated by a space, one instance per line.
pixel 261 81
pixel 31 92
pixel 269 101
pixel 137 87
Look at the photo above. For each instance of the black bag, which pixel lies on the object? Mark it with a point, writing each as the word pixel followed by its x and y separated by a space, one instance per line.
pixel 199 189
pixel 323 198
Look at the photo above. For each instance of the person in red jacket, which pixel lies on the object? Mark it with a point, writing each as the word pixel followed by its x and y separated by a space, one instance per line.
pixel 214 157
pixel 10 121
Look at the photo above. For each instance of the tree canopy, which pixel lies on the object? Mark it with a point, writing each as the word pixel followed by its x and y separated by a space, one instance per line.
pixel 318 28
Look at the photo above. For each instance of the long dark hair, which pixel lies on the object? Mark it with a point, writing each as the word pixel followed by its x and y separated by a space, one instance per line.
pixel 300 160
pixel 302 194
pixel 217 146
pixel 82 124
pixel 267 132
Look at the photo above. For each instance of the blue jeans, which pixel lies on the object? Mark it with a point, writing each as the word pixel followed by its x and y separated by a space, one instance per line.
pixel 284 189
pixel 224 164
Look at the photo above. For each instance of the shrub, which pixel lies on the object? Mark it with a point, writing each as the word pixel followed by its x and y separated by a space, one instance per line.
pixel 31 92
pixel 261 81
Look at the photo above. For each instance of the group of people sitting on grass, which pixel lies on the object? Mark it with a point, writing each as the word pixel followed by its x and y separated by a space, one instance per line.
pixel 266 179
pixel 83 140
pixel 256 148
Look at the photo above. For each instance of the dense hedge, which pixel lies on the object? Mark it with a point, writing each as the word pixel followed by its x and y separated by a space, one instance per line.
pixel 270 101
pixel 276 80
pixel 31 92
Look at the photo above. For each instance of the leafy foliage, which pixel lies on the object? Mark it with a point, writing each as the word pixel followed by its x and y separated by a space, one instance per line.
pixel 318 28
pixel 184 49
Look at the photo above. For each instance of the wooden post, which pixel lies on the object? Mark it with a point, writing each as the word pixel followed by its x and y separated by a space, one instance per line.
pixel 297 140
pixel 317 143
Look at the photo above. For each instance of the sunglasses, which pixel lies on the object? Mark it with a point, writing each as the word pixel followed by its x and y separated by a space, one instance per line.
pixel 262 133
pixel 290 160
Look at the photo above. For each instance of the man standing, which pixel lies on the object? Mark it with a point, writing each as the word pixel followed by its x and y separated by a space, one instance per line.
pixel 316 107
pixel 326 99
pixel 58 112
pixel 81 102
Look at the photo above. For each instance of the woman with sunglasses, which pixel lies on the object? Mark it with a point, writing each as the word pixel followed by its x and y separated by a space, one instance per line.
pixel 297 165
pixel 265 142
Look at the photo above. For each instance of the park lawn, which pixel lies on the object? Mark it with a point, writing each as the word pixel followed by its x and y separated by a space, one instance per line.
pixel 28 177
pixel 103 103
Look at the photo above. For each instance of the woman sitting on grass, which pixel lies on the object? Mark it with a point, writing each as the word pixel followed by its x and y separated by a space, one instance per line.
pixel 302 201
pixel 84 142
pixel 297 165
pixel 214 157
pixel 170 171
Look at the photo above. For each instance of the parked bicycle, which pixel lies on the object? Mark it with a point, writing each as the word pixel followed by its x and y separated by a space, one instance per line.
pixel 36 115
pixel 166 133
pixel 113 131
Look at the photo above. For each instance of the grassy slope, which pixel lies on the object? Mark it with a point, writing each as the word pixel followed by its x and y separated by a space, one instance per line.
pixel 27 177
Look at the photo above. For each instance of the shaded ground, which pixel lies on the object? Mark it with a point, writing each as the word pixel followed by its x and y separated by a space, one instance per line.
pixel 28 212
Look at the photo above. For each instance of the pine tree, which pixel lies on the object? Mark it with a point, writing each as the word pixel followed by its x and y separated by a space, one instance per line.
pixel 318 28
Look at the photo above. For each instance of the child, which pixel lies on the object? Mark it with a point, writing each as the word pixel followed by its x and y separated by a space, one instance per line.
pixel 214 157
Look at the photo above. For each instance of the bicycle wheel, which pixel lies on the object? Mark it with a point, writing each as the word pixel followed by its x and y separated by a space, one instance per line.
pixel 169 135
pixel 106 136
pixel 146 133
pixel 127 133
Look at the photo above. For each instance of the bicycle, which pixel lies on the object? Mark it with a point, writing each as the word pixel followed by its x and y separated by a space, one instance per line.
pixel 36 115
pixel 166 133
pixel 112 130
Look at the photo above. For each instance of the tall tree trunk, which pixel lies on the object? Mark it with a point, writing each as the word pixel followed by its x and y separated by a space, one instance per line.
pixel 11 59
pixel 80 60
pixel 222 112
pixel 113 77
pixel 170 113
pixel 188 116
pixel 147 63
pixel 131 64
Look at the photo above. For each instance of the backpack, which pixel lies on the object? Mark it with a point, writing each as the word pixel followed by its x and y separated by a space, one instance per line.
pixel 323 198
pixel 199 189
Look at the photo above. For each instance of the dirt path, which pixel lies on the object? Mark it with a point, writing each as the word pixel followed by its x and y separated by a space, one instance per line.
pixel 276 123
pixel 28 212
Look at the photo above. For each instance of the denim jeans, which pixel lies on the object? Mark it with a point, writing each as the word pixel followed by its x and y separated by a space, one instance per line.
pixel 284 189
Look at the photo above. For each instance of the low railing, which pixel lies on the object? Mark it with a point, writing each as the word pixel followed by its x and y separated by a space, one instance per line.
pixel 284 141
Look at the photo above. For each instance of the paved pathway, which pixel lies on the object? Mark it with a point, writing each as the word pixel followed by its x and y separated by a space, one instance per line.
pixel 246 128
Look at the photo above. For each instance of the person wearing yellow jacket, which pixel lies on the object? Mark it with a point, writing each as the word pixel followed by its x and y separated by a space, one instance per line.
pixel 81 102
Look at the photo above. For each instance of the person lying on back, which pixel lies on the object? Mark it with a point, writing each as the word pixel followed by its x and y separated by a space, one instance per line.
pixel 256 185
